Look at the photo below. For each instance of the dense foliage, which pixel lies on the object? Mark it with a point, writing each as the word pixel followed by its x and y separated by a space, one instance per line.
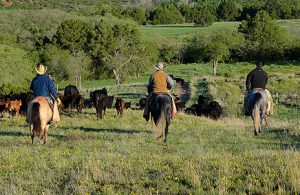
pixel 96 40
pixel 265 39
pixel 16 69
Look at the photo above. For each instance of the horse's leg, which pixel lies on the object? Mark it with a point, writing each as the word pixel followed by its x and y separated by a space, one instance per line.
pixel 262 118
pixel 166 132
pixel 97 113
pixel 42 135
pixel 46 134
pixel 266 121
pixel 31 132
pixel 256 119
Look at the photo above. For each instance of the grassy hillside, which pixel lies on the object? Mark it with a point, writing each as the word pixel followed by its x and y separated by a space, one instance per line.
pixel 121 156
pixel 227 87
pixel 179 32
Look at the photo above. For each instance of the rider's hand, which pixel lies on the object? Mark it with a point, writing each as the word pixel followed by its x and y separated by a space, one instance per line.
pixel 58 101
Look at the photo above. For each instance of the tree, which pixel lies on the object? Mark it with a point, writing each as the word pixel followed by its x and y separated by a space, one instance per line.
pixel 227 10
pixel 166 14
pixel 214 47
pixel 219 46
pixel 16 70
pixel 57 61
pixel 137 14
pixel 78 67
pixel 202 15
pixel 264 37
pixel 71 34
pixel 118 48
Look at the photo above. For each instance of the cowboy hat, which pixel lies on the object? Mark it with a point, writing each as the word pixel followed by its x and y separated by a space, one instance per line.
pixel 159 66
pixel 41 69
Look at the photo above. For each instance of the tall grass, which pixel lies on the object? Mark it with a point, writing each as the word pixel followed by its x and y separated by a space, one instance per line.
pixel 122 156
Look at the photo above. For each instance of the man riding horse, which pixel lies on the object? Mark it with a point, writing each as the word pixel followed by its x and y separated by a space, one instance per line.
pixel 159 82
pixel 43 86
pixel 257 80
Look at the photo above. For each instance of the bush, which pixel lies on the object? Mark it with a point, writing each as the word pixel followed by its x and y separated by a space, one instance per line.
pixel 202 15
pixel 16 70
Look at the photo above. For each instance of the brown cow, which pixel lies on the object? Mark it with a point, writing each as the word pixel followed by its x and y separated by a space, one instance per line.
pixel 120 105
pixel 2 105
pixel 14 106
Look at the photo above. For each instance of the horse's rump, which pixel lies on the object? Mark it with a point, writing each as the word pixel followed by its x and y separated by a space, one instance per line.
pixel 161 103
pixel 39 107
pixel 257 103
pixel 39 114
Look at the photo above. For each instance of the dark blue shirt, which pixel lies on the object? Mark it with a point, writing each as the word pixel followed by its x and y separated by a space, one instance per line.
pixel 42 85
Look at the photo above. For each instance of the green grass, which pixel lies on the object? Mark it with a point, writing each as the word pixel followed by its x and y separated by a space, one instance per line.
pixel 177 33
pixel 121 156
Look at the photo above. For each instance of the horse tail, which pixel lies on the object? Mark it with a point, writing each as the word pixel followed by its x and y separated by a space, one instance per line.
pixel 257 97
pixel 161 124
pixel 256 113
pixel 35 116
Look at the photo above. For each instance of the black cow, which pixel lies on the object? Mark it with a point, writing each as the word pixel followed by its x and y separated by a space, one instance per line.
pixel 142 103
pixel 190 111
pixel 88 103
pixel 120 105
pixel 214 110
pixel 127 105
pixel 99 99
pixel 202 105
pixel 179 80
pixel 109 102
pixel 79 102
pixel 71 93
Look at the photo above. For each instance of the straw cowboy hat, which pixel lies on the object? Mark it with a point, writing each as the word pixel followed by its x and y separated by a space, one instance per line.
pixel 41 69
pixel 159 66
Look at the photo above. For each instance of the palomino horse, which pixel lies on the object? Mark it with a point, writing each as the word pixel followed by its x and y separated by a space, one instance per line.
pixel 39 114
pixel 257 105
pixel 161 112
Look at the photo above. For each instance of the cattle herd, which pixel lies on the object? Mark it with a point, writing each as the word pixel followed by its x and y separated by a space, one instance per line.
pixel 99 99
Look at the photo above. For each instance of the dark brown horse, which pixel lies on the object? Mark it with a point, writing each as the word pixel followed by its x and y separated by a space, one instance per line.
pixel 161 112
pixel 39 114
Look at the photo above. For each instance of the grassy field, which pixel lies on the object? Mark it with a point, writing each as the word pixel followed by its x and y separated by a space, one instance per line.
pixel 122 155
pixel 227 87
pixel 177 33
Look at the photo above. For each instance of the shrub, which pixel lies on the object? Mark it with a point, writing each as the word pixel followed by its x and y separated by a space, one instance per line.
pixel 16 70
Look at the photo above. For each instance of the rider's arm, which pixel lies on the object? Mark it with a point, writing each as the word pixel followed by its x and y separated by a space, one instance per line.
pixel 52 88
pixel 31 86
pixel 150 85
pixel 248 82
pixel 170 82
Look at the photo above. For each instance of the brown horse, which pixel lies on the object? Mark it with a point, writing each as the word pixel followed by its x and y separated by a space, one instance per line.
pixel 39 114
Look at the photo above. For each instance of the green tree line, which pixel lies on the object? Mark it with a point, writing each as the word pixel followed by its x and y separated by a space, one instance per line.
pixel 84 47
pixel 199 12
